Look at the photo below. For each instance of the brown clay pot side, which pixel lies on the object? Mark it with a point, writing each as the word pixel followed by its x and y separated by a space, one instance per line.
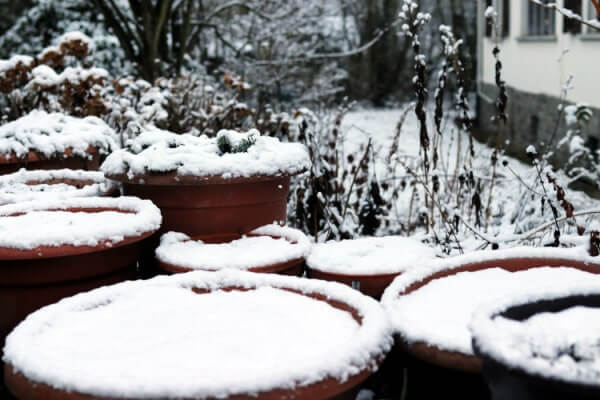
pixel 112 191
pixel 371 285
pixel 11 163
pixel 68 263
pixel 293 267
pixel 204 207
pixel 16 302
pixel 465 362
pixel 329 388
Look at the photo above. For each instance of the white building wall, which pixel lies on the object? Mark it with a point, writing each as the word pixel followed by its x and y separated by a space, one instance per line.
pixel 539 66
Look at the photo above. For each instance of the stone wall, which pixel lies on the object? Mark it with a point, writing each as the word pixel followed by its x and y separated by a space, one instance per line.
pixel 532 119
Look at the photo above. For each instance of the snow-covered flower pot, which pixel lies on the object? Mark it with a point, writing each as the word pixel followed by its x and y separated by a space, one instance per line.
pixel 41 140
pixel 201 335
pixel 367 264
pixel 431 307
pixel 268 249
pixel 542 345
pixel 53 249
pixel 28 185
pixel 203 192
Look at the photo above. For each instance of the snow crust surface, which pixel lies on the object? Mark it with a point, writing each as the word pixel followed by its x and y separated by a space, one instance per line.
pixel 562 345
pixel 438 314
pixel 158 339
pixel 277 244
pixel 163 151
pixel 18 186
pixel 33 224
pixel 51 134
pixel 370 255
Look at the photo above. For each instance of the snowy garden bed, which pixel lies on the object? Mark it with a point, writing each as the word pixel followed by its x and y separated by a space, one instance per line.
pixel 27 185
pixel 271 248
pixel 240 321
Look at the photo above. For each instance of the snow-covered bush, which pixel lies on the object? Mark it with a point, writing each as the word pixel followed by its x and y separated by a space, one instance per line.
pixel 45 83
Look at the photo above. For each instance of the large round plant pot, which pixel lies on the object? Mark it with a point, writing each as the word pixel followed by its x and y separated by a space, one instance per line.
pixel 53 249
pixel 27 185
pixel 543 345
pixel 202 191
pixel 42 140
pixel 431 308
pixel 268 249
pixel 206 335
pixel 367 264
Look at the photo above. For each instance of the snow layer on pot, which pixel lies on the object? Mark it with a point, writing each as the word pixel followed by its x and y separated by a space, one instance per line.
pixel 183 336
pixel 54 223
pixel 563 345
pixel 55 134
pixel 27 185
pixel 267 245
pixel 370 255
pixel 438 314
pixel 158 151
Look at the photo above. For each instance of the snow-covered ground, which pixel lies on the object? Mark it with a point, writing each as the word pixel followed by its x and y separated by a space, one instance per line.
pixel 515 209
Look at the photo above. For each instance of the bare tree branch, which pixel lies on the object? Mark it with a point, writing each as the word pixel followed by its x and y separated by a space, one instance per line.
pixel 325 56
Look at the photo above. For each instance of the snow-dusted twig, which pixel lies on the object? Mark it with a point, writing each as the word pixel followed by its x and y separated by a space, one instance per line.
pixel 594 24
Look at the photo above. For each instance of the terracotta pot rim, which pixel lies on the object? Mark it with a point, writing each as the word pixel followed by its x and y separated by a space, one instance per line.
pixel 451 359
pixel 469 363
pixel 43 252
pixel 263 269
pixel 78 204
pixel 271 267
pixel 35 156
pixel 327 384
pixel 173 179
pixel 390 275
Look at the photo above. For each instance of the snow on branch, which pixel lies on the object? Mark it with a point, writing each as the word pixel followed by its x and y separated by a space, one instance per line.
pixel 594 24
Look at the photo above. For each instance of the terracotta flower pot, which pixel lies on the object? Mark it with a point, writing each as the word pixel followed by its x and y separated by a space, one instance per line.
pixel 268 249
pixel 367 264
pixel 42 140
pixel 27 185
pixel 202 191
pixel 49 261
pixel 533 349
pixel 432 356
pixel 204 355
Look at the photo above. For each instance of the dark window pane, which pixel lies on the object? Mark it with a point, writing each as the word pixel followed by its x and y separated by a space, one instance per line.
pixel 571 25
pixel 505 18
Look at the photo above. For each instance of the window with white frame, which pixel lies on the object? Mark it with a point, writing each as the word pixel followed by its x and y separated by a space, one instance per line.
pixel 540 20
